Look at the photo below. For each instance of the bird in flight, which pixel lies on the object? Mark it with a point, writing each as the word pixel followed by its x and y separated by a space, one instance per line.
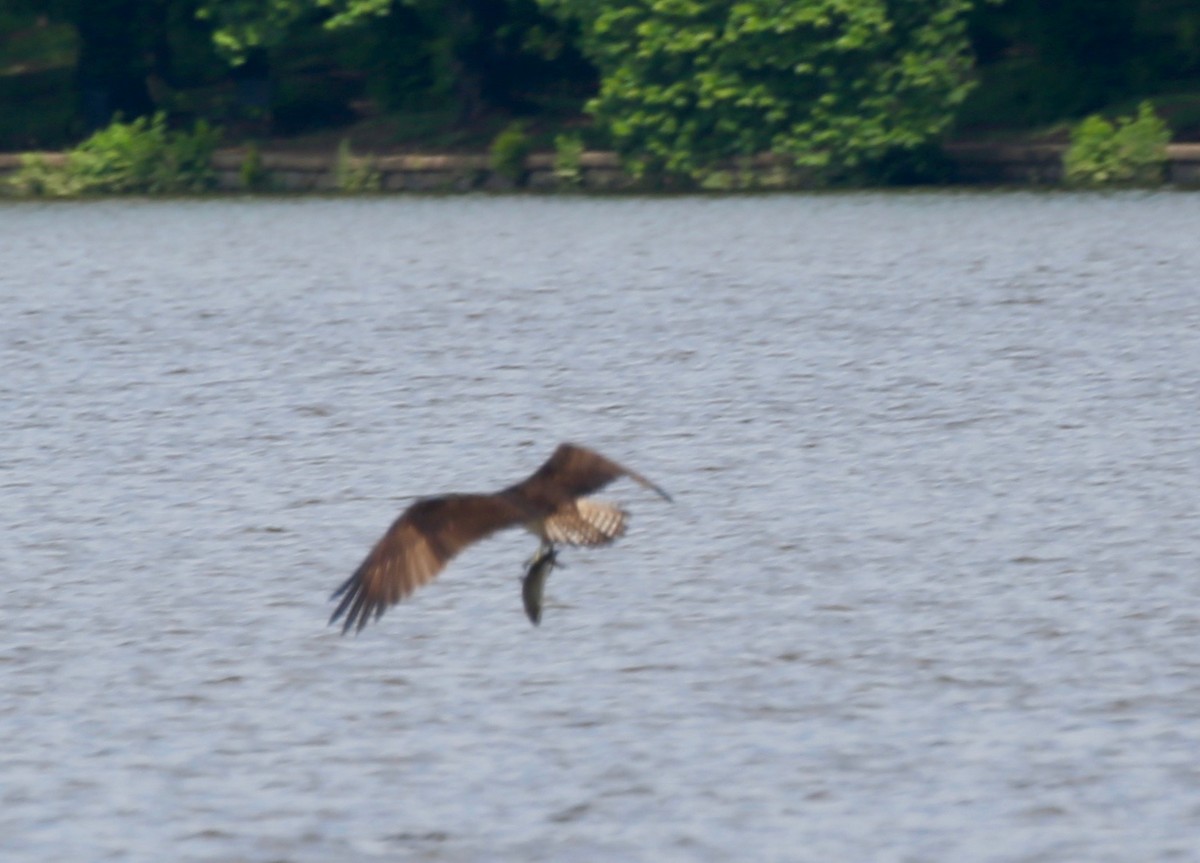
pixel 551 504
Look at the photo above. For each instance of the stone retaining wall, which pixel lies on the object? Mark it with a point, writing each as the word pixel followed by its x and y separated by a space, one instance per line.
pixel 1041 164
pixel 416 173
pixel 972 163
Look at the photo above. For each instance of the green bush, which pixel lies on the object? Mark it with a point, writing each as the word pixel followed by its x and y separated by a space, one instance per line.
pixel 509 151
pixel 1131 152
pixel 253 175
pixel 568 159
pixel 37 177
pixel 354 175
pixel 187 158
pixel 142 156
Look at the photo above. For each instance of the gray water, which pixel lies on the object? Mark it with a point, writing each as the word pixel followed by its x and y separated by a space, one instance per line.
pixel 928 590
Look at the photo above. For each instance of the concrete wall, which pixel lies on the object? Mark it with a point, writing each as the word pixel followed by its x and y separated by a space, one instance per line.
pixel 414 173
pixel 1041 164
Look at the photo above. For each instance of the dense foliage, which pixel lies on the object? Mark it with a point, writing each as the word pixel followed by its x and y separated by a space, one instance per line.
pixel 243 25
pixel 837 87
pixel 1042 62
pixel 475 52
pixel 829 83
pixel 1131 151
pixel 142 155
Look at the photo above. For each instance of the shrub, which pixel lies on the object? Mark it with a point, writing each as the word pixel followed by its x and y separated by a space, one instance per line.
pixel 568 159
pixel 1131 152
pixel 37 177
pixel 140 156
pixel 509 151
pixel 188 159
pixel 355 175
pixel 253 175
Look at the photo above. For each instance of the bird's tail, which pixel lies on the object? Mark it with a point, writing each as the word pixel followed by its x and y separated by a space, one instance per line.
pixel 586 522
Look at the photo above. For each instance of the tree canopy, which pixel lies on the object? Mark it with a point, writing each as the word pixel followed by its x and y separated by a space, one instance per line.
pixel 679 86
pixel 829 83
pixel 242 25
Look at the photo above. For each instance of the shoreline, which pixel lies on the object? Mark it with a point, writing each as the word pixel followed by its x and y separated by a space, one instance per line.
pixel 969 163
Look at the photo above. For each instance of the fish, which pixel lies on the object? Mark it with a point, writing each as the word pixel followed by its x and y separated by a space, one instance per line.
pixel 534 582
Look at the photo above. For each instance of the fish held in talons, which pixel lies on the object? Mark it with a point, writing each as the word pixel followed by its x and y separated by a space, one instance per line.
pixel 534 583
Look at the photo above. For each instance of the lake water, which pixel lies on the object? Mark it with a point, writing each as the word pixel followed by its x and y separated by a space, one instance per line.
pixel 929 589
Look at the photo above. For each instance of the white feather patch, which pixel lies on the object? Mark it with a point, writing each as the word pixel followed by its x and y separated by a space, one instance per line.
pixel 588 522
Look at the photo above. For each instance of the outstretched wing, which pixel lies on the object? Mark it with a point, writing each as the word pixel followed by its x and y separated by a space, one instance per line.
pixel 416 548
pixel 572 472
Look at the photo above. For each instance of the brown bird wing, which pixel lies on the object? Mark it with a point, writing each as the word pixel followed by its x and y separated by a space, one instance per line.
pixel 573 471
pixel 416 548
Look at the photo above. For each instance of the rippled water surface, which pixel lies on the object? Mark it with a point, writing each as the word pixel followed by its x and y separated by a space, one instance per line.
pixel 929 589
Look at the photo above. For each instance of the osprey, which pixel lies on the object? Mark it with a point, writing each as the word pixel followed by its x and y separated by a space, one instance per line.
pixel 551 504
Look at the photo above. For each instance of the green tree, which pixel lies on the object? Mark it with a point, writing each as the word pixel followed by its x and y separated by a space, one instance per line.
pixel 481 53
pixel 831 84
pixel 242 25
pixel 297 64
pixel 1043 62
pixel 117 45
pixel 124 55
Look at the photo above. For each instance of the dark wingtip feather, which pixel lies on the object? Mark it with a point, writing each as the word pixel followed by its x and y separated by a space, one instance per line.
pixel 645 483
pixel 358 614
pixel 352 594
pixel 344 587
pixel 344 604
